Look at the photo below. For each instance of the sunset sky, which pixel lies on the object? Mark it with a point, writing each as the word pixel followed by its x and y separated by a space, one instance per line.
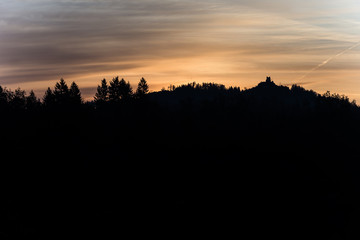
pixel 234 42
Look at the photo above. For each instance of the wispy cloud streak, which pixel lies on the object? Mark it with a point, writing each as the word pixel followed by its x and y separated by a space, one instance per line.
pixel 235 42
pixel 328 60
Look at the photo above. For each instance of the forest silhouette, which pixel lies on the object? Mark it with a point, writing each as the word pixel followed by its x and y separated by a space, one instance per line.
pixel 191 160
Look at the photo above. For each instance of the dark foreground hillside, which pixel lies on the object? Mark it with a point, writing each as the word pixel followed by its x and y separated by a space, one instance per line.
pixel 194 161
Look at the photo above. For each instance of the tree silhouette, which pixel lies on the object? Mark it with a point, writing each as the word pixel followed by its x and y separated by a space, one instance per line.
pixel 61 92
pixel 119 90
pixel 74 94
pixel 31 101
pixel 18 98
pixel 3 96
pixel 102 93
pixel 49 98
pixel 114 90
pixel 142 88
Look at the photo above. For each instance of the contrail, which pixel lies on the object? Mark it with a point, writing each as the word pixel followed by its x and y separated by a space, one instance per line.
pixel 328 60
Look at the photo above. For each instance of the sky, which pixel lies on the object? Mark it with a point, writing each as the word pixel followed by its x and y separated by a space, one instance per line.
pixel 315 44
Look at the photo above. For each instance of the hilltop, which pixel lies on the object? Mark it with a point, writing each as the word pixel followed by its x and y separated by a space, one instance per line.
pixel 194 158
pixel 265 93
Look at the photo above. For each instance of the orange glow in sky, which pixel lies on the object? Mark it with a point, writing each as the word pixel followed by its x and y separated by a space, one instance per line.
pixel 311 43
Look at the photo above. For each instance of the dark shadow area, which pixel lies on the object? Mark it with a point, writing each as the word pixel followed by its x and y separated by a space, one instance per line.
pixel 194 160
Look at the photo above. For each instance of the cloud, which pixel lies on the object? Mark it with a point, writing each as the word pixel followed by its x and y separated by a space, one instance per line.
pixel 48 35
pixel 42 40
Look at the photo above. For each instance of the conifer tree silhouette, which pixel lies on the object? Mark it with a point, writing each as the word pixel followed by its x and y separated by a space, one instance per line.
pixel 49 98
pixel 18 99
pixel 114 90
pixel 3 96
pixel 31 101
pixel 74 94
pixel 126 90
pixel 102 93
pixel 142 88
pixel 61 92
pixel 119 90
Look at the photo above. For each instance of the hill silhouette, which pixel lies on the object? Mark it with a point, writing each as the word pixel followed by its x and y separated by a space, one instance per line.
pixel 198 159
